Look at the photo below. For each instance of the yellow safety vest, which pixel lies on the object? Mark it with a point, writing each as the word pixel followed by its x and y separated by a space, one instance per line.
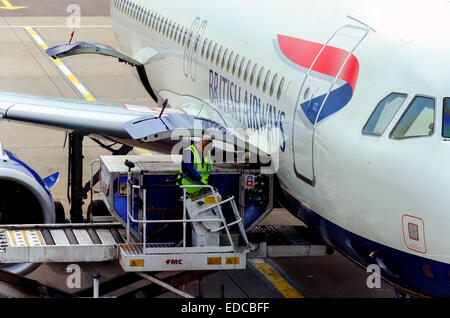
pixel 203 168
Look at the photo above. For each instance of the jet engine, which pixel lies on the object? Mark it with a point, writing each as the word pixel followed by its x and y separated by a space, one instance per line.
pixel 25 198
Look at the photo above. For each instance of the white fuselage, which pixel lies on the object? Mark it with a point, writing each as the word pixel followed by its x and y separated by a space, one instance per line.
pixel 363 184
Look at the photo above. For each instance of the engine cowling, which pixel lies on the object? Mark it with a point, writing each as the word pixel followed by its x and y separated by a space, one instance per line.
pixel 25 198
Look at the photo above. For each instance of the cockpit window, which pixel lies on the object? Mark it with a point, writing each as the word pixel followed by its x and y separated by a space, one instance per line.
pixel 383 114
pixel 446 119
pixel 417 121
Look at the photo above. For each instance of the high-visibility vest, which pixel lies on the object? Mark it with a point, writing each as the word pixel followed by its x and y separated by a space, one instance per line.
pixel 203 168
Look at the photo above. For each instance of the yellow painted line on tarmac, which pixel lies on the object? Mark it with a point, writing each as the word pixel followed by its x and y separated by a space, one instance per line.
pixel 31 31
pixel 73 79
pixel 9 6
pixel 281 284
pixel 141 151
pixel 89 97
pixel 61 66
pixel 69 75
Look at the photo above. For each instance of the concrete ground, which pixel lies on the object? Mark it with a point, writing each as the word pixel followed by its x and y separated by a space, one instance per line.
pixel 24 68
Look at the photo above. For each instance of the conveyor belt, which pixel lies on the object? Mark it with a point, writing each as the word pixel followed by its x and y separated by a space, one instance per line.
pixel 285 241
pixel 60 243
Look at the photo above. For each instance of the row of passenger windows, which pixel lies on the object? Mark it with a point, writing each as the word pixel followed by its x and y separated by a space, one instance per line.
pixel 211 52
pixel 243 68
pixel 417 120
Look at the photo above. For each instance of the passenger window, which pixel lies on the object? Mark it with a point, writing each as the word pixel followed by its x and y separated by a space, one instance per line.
pixel 266 81
pixel 383 114
pixel 180 34
pixel 155 22
pixel 150 20
pixel 241 67
pixel 161 24
pixel 184 38
pixel 247 70
pixel 218 55
pixel 252 76
pixel 280 88
pixel 204 47
pixel 236 61
pixel 168 29
pixel 189 40
pixel 196 44
pixel 446 119
pixel 213 53
pixel 224 58
pixel 172 28
pixel 258 80
pixel 230 60
pixel 274 84
pixel 417 121
pixel 208 50
pixel 175 33
pixel 164 25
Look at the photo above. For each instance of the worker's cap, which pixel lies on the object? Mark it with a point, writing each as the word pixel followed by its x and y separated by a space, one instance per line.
pixel 206 140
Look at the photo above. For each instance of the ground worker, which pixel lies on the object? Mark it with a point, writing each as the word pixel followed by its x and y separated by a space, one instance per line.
pixel 196 166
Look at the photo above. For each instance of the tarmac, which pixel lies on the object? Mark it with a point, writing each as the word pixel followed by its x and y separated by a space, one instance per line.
pixel 25 68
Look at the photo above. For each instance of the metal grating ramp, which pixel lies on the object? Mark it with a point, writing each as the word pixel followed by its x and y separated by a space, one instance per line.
pixel 59 243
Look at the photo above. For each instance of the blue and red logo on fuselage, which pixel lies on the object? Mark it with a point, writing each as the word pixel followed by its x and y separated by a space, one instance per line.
pixel 324 61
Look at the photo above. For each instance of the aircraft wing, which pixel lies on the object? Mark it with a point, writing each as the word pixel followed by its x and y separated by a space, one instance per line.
pixel 129 124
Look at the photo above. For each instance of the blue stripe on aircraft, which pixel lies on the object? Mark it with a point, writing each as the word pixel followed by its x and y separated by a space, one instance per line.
pixel 336 100
pixel 412 272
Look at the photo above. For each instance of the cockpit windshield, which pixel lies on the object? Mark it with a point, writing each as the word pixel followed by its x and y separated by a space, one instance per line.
pixel 418 119
pixel 383 114
pixel 446 118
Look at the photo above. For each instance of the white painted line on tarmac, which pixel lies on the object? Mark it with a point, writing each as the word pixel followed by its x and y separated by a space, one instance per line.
pixel 68 74
pixel 53 26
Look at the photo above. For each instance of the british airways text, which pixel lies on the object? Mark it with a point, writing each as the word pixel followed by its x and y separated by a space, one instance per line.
pixel 250 110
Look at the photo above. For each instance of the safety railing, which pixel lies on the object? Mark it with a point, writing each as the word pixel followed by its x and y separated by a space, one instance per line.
pixel 184 249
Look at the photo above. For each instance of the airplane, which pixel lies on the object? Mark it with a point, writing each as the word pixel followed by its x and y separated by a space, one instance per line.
pixel 349 96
